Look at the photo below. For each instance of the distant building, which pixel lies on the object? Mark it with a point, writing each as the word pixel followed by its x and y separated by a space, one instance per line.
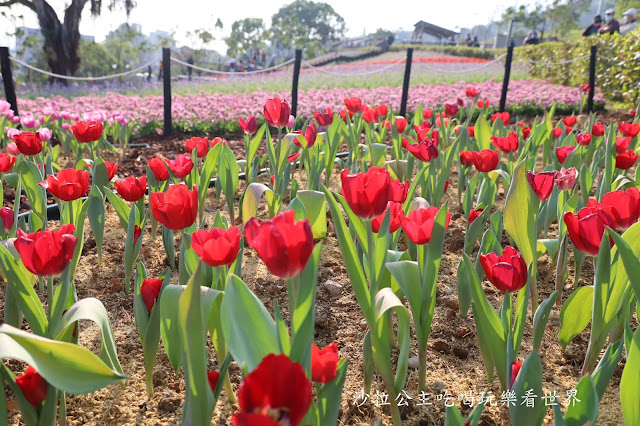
pixel 426 33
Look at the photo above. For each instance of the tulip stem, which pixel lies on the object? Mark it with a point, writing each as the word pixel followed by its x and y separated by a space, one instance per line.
pixel 62 421
pixel 231 397
pixel 50 296
pixel 422 366
pixel 371 260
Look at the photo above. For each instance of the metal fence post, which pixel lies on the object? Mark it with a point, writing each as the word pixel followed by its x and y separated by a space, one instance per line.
pixel 507 74
pixel 7 78
pixel 166 72
pixel 294 86
pixel 592 79
pixel 405 83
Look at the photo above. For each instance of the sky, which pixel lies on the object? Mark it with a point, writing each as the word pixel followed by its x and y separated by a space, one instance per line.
pixel 180 16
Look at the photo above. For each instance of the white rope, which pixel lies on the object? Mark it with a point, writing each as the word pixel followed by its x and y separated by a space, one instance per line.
pixel 485 65
pixel 568 61
pixel 341 74
pixel 68 77
pixel 195 67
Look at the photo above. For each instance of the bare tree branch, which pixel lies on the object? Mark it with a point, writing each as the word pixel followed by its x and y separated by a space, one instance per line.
pixel 26 3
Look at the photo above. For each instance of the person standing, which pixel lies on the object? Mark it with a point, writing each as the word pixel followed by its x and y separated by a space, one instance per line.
pixel 611 25
pixel 593 28
pixel 630 23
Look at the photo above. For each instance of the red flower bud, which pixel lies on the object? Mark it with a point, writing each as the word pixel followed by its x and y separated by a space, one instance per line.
pixel 569 121
pixel 542 183
pixel 33 386
pixel 485 160
pixel 46 253
pixel 353 104
pixel 472 93
pixel 250 126
pixel 28 143
pixel 466 158
pixel 201 144
pixel 587 227
pixel 506 144
pixel 324 118
pixel 181 166
pixel 150 290
pixel 67 184
pixel 324 363
pixel 622 144
pixel 395 218
pixel 367 193
pixel 629 130
pixel 563 151
pixel 597 129
pixel 419 224
pixel 159 168
pixel 131 189
pixel 515 369
pixel 556 133
pixel 7 216
pixel 112 168
pixel 216 246
pixel 283 244
pixel 626 160
pixel 212 377
pixel 473 215
pixel 507 272
pixel 276 112
pixel 177 208
pixel 503 116
pixel 87 132
pixel 584 138
pixel 6 162
pixel 566 178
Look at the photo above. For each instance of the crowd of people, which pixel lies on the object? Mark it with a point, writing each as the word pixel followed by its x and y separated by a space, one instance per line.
pixel 611 25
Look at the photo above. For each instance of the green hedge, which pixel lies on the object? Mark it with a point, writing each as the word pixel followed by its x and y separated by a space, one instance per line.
pixel 617 64
pixel 469 52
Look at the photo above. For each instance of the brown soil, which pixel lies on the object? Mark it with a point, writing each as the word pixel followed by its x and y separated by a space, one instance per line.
pixel 454 361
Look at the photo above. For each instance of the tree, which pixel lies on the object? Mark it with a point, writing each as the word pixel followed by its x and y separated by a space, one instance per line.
pixel 246 35
pixel 559 15
pixel 306 23
pixel 126 45
pixel 96 59
pixel 61 39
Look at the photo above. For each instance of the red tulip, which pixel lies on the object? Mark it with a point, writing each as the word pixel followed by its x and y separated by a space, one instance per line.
pixel 395 218
pixel 201 144
pixel 526 132
pixel 28 143
pixel 441 119
pixel 466 158
pixel 482 104
pixel 131 189
pixel 506 144
pixel 250 126
pixel 46 253
pixel 324 118
pixel 622 144
pixel 7 216
pixel 343 114
pixel 215 246
pixel 629 130
pixel 181 166
pixel 6 162
pixel 626 160
pixel 566 178
pixel 623 206
pixel 422 130
pixel 381 110
pixel 425 151
pixel 633 113
pixel 471 92
pixel 507 272
pixel 215 141
pixel 584 138
pixel 369 116
pixel 212 377
pixel 112 168
pixel 556 133
pixel 587 227
pixel 159 168
pixel 324 363
pixel 419 224
pixel 294 156
pixel 310 134
pixel 485 160
pixel 277 112
pixel 87 132
pixel 33 386
pixel 446 185
pixel 427 114
pixel 67 184
pixel 367 193
pixel 451 110
pixel 353 104
pixel 569 121
pixel 473 215
pixel 137 231
pixel 564 151
pixel 177 208
pixel 283 244
pixel 401 124
pixel 276 392
pixel 150 290
pixel 472 131
pixel 515 369
pixel 597 130
pixel 398 190
pixel 542 183
pixel 504 116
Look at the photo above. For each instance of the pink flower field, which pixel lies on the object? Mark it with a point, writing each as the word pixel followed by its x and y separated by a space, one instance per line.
pixel 210 107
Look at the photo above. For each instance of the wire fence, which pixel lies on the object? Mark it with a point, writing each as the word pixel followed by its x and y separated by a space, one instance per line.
pixel 72 78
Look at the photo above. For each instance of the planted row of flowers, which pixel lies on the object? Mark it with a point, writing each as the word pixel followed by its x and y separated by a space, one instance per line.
pixel 390 224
